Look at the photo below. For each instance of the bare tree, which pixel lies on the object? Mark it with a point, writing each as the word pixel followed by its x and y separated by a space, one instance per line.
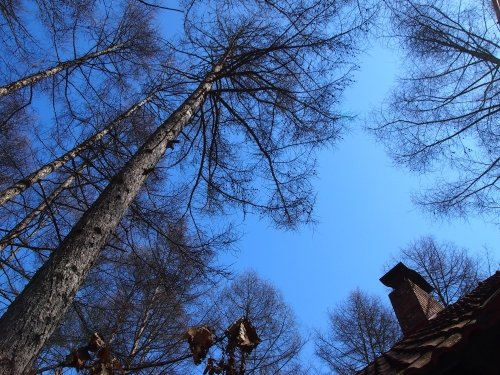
pixel 85 111
pixel 359 330
pixel 449 269
pixel 23 184
pixel 27 220
pixel 445 113
pixel 14 142
pixel 280 342
pixel 114 42
pixel 47 73
pixel 261 84
pixel 141 304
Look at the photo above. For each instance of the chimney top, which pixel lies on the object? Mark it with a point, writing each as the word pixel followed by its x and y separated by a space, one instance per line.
pixel 395 277
pixel 410 298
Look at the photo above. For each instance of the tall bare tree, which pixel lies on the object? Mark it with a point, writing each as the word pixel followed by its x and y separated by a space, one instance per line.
pixel 280 344
pixel 73 113
pixel 111 35
pixel 262 80
pixel 359 330
pixel 444 114
pixel 59 67
pixel 38 175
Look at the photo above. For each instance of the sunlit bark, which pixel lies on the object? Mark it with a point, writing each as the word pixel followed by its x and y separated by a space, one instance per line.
pixel 39 76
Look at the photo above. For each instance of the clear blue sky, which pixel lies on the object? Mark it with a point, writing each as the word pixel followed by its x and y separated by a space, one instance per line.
pixel 364 211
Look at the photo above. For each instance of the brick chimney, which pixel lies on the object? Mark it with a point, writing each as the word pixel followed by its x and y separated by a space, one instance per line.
pixel 411 298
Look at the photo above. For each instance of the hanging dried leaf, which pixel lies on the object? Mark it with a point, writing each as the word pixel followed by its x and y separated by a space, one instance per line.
pixel 77 358
pixel 117 367
pixel 213 368
pixel 100 369
pixel 200 340
pixel 104 355
pixel 104 362
pixel 243 335
pixel 95 343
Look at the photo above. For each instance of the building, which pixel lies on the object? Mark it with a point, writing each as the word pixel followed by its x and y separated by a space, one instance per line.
pixel 463 338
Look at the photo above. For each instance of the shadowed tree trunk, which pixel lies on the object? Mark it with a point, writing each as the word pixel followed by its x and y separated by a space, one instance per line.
pixel 48 295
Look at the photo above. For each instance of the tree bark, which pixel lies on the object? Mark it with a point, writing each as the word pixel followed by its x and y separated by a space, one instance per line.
pixel 35 313
pixel 21 185
pixel 39 76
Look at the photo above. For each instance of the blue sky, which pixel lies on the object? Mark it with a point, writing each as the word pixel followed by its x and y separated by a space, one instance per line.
pixel 364 212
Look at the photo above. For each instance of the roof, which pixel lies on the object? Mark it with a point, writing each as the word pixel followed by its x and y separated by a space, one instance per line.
pixel 463 327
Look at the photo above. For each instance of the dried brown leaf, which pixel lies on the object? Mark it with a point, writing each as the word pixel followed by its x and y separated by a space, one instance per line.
pixel 243 335
pixel 100 368
pixel 77 358
pixel 200 340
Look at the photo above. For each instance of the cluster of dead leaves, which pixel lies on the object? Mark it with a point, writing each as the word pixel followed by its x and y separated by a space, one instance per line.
pixel 241 334
pixel 96 357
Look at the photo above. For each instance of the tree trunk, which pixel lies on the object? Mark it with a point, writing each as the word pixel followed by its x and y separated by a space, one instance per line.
pixel 21 185
pixel 142 325
pixel 39 76
pixel 23 224
pixel 35 313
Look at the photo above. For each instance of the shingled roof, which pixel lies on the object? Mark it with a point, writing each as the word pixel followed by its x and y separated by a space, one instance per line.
pixel 464 337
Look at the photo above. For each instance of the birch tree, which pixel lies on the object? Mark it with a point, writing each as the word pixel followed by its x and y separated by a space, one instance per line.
pixel 261 80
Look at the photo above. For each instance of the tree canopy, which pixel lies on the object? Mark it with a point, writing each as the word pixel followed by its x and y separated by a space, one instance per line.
pixel 360 329
pixel 240 103
pixel 444 114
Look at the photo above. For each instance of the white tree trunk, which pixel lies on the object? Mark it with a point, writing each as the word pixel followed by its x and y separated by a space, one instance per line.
pixel 37 77
pixel 35 313
pixel 21 185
